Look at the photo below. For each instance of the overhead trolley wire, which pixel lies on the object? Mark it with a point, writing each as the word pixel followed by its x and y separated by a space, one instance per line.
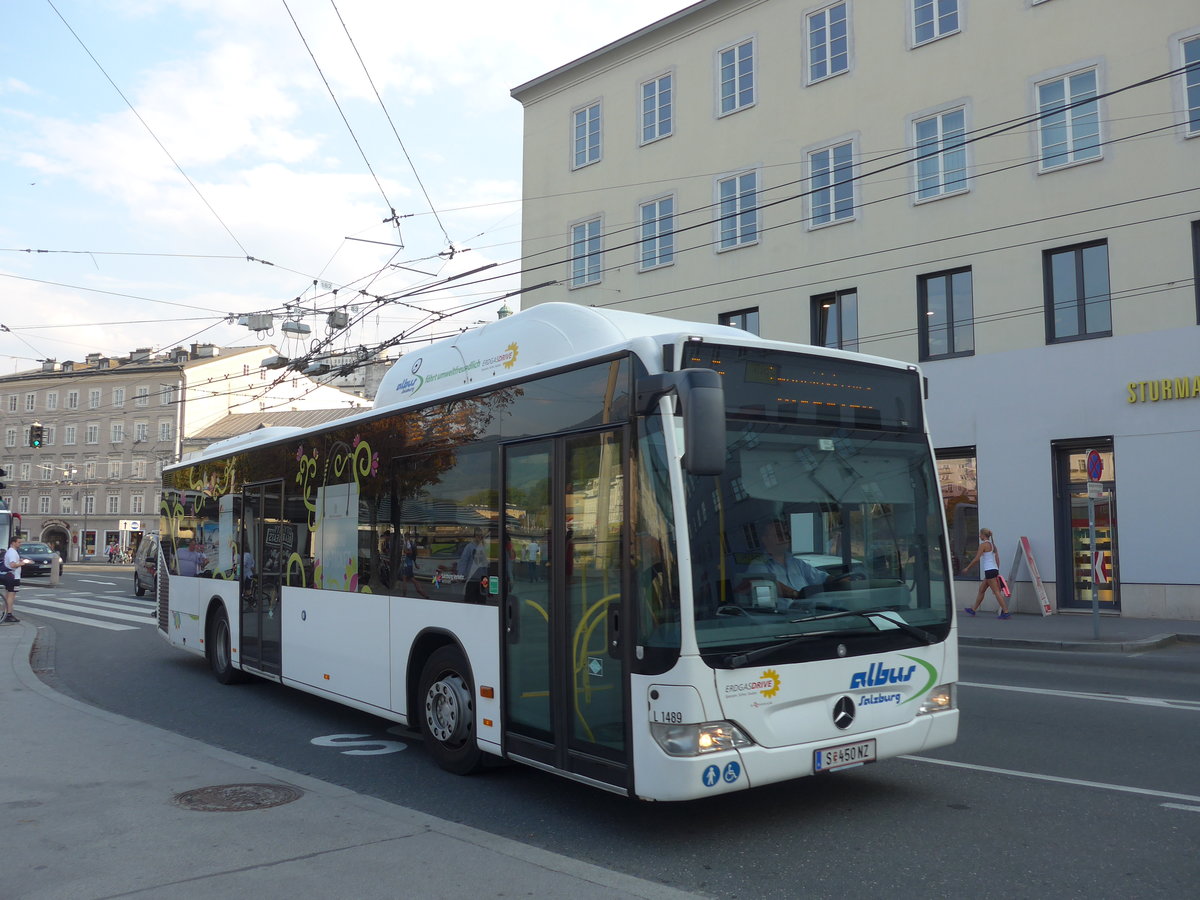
pixel 403 149
pixel 395 217
pixel 149 130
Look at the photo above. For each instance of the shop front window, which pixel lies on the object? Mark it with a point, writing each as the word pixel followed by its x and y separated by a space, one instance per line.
pixel 960 497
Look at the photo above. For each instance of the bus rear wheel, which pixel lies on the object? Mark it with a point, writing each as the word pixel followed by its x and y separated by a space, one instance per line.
pixel 220 655
pixel 447 712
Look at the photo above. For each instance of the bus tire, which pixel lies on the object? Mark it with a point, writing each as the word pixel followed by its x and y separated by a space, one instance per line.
pixel 220 655
pixel 447 712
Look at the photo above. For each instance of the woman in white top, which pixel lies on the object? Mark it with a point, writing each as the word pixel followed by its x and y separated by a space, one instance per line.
pixel 989 562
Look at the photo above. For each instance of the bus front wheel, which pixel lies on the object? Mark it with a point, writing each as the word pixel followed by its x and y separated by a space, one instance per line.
pixel 220 656
pixel 447 712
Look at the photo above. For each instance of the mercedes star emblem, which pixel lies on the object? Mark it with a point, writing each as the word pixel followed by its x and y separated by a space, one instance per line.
pixel 843 713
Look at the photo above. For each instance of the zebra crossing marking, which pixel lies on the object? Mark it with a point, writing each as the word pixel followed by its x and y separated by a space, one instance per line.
pixel 38 606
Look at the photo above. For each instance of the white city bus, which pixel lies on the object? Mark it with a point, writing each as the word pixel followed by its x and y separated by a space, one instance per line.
pixel 550 542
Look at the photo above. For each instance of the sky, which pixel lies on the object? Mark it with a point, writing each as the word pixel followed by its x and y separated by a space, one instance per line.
pixel 168 166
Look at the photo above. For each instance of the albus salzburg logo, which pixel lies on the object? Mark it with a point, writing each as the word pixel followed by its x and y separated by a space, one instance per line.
pixel 408 386
pixel 878 675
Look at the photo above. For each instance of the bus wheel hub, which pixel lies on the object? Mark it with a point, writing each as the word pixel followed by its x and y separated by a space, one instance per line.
pixel 448 709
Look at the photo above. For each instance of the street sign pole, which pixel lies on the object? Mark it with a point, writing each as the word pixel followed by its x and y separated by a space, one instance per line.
pixel 1095 469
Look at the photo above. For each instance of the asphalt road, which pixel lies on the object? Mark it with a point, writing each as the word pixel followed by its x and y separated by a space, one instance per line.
pixel 1048 792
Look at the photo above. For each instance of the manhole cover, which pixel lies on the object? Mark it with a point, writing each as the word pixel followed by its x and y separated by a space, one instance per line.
pixel 237 797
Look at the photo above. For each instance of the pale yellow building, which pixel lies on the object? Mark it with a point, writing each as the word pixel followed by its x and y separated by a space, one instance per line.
pixel 1006 191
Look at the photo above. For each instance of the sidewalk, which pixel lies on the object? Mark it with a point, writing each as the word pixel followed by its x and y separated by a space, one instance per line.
pixel 1072 631
pixel 88 814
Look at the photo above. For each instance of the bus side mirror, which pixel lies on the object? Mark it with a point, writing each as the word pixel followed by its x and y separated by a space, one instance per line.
pixel 702 403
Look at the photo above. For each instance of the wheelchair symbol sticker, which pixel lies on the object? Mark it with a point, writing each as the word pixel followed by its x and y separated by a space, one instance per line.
pixel 732 772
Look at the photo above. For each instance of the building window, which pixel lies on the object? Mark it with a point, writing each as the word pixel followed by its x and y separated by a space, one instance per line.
pixel 93 434
pixel 828 42
pixel 947 314
pixel 745 319
pixel 10 437
pixel 73 400
pixel 933 19
pixel 142 396
pixel 89 469
pixel 736 77
pixel 1077 299
pixel 137 504
pixel 65 504
pixel 658 238
pixel 12 402
pixel 26 468
pixel 585 253
pixel 656 108
pixel 118 397
pixel 93 399
pixel 587 135
pixel 45 471
pixel 1196 265
pixel 117 432
pixel 141 432
pixel 69 435
pixel 960 498
pixel 164 431
pixel 831 184
pixel 737 201
pixel 835 320
pixel 52 401
pixel 138 468
pixel 43 505
pixel 166 395
pixel 1191 85
pixel 114 468
pixel 89 504
pixel 48 435
pixel 941 156
pixel 1068 135
pixel 23 505
pixel 114 504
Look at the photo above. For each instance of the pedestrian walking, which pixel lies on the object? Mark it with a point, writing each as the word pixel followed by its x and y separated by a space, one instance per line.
pixel 10 577
pixel 989 565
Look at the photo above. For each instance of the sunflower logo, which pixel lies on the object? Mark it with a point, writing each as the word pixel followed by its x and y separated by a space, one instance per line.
pixel 512 359
pixel 773 677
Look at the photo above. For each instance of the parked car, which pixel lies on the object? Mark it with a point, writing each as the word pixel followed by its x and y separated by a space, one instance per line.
pixel 40 557
pixel 145 565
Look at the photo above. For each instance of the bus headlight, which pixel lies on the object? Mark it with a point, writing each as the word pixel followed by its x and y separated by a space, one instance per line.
pixel 693 740
pixel 940 698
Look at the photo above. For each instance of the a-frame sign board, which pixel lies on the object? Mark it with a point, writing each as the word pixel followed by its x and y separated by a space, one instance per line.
pixel 1025 552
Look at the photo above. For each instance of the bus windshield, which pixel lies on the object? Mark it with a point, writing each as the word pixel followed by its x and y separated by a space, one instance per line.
pixel 808 528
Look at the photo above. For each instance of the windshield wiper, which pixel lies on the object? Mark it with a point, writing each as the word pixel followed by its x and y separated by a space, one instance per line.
pixel 737 660
pixel 885 613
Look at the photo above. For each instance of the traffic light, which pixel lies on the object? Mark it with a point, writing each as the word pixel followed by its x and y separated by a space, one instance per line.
pixel 35 434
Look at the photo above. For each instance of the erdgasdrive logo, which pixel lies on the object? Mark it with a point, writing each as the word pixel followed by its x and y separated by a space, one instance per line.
pixel 878 675
pixel 766 684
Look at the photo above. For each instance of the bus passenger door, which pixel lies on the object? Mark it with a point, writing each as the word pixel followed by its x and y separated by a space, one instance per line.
pixel 564 607
pixel 261 573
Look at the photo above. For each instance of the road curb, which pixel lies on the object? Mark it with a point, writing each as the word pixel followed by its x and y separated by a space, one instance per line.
pixel 1151 643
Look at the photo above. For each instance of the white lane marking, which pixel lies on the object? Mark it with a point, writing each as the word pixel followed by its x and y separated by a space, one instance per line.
pixel 93 581
pixel 40 613
pixel 1160 702
pixel 52 604
pixel 1180 806
pixel 127 605
pixel 1034 776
